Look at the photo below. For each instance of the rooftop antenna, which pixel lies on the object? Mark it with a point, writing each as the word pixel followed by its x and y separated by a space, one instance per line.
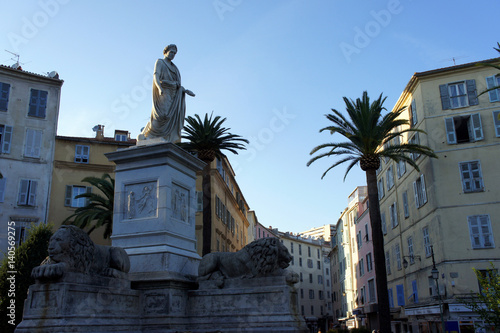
pixel 16 59
pixel 454 59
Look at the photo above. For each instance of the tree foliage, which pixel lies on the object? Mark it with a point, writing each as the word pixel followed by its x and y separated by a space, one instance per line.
pixel 486 303
pixel 25 257
pixel 99 210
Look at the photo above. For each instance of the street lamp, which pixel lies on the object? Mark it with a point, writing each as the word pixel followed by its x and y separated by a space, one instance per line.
pixel 412 260
pixel 435 276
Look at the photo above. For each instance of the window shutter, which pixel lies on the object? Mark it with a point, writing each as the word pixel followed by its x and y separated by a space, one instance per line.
pixel 4 96
pixel 416 194
pixel 401 295
pixel 391 298
pixel 68 196
pixel 32 193
pixel 445 97
pixel 29 142
pixel 37 143
pixel 476 126
pixel 405 204
pixel 466 177
pixel 415 291
pixel 88 190
pixel 23 192
pixel 33 102
pixel 414 119
pixel 6 140
pixel 199 202
pixel 494 94
pixel 424 193
pixel 471 92
pixel 450 131
pixel 474 231
pixel 3 182
pixel 42 105
pixel 496 121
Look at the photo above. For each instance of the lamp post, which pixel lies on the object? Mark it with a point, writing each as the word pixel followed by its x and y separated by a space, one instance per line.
pixel 435 276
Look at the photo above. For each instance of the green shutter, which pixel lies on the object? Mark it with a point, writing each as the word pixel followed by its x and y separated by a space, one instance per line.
pixel 67 197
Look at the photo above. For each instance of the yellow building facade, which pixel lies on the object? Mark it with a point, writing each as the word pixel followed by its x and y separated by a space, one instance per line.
pixel 230 222
pixel 74 159
pixel 448 212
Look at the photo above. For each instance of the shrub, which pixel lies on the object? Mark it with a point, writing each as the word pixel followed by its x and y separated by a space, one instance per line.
pixel 22 261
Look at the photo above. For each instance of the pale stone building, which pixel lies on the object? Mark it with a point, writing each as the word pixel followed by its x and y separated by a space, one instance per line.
pixel 76 158
pixel 29 110
pixel 325 232
pixel 448 210
pixel 311 261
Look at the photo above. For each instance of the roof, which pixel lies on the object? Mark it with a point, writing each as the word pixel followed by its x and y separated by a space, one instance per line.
pixel 21 71
pixel 105 140
pixel 452 68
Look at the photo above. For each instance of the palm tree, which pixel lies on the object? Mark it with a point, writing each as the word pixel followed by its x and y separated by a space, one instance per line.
pixel 208 138
pixel 99 210
pixel 367 131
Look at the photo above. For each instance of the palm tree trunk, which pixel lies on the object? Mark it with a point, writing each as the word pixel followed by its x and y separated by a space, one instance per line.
pixel 207 210
pixel 384 313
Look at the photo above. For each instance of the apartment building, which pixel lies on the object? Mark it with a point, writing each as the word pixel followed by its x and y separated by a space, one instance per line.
pixel 311 261
pixel 29 110
pixel 230 224
pixel 445 216
pixel 75 159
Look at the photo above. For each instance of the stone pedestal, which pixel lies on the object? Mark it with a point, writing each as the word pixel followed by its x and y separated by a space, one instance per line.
pixel 155 206
pixel 267 304
pixel 82 303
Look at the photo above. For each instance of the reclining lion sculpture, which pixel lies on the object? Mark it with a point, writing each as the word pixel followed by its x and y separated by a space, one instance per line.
pixel 72 250
pixel 263 257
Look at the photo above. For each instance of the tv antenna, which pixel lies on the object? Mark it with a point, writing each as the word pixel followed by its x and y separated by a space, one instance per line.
pixel 454 59
pixel 16 59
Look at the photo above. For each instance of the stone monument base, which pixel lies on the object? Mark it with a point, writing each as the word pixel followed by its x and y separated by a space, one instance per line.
pixel 267 304
pixel 80 303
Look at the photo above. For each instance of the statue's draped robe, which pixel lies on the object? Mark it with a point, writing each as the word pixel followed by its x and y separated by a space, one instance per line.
pixel 169 107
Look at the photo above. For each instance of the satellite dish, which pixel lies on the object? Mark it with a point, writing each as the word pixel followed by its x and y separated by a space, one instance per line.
pixel 54 75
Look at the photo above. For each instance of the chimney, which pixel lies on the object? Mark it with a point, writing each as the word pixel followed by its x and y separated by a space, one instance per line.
pixel 99 131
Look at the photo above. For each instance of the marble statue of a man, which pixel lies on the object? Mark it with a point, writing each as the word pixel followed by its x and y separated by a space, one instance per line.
pixel 169 106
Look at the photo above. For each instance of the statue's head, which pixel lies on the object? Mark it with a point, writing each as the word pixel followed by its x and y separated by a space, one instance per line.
pixel 71 245
pixel 171 47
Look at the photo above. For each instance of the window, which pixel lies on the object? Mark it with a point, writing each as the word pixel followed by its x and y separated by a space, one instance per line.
pixel 317 252
pixel 415 140
pixel 199 201
pixel 490 274
pixel 384 227
pixel 72 192
pixel 38 103
pixel 496 121
pixel 320 279
pixel 82 154
pixel 321 294
pixel 371 291
pixel 472 180
pixel 361 267
pixel 4 96
pixel 380 186
pixel 397 251
pixel 301 293
pixel 491 82
pixel 406 208
pixel 310 278
pixel 27 192
pixel 401 168
pixel 394 215
pixel 481 235
pixel 121 137
pixel 400 291
pixel 3 182
pixel 369 264
pixel 5 138
pixel 308 251
pixel 301 277
pixel 410 250
pixel 388 262
pixel 312 310
pixel 318 264
pixel 363 295
pixel 420 193
pixel 390 178
pixel 463 129
pixel 311 294
pixel 412 112
pixel 367 237
pixel 291 247
pixel 300 249
pixel 427 242
pixel 310 263
pixel 458 94
pixel 300 262
pixel 33 143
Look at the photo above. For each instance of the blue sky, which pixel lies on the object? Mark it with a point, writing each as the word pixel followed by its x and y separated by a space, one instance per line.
pixel 272 68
